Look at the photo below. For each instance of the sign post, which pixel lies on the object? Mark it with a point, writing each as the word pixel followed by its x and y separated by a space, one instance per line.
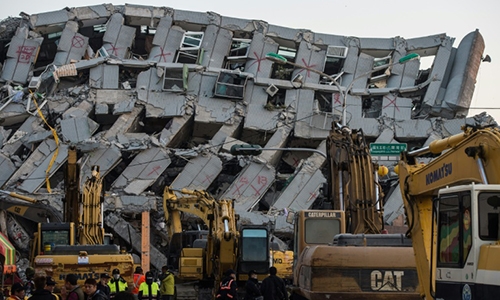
pixel 387 149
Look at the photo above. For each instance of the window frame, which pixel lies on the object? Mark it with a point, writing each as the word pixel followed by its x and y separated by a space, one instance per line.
pixel 190 50
pixel 219 84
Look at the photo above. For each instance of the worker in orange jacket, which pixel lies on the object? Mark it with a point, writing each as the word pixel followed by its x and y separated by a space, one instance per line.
pixel 138 279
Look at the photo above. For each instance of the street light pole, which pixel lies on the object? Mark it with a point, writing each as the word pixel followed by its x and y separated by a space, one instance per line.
pixel 274 57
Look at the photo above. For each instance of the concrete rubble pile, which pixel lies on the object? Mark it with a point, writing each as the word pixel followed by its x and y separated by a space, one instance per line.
pixel 156 96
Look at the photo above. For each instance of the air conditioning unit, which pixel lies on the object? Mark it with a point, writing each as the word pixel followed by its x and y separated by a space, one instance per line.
pixel 272 90
pixel 34 83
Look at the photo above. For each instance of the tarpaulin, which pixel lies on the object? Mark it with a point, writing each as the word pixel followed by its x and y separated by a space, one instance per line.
pixel 7 255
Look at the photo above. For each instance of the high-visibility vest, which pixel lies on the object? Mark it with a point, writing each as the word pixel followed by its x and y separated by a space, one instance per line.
pixel 116 286
pixel 144 289
pixel 225 290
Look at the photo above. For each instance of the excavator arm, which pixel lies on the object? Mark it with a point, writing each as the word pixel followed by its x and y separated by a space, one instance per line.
pixel 218 216
pixel 469 157
pixel 354 184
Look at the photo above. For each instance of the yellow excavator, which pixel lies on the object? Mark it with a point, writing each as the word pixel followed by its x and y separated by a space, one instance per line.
pixel 78 245
pixel 221 247
pixel 453 211
pixel 340 253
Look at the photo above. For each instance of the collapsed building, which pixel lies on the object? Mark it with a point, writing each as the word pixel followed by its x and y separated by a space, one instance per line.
pixel 157 96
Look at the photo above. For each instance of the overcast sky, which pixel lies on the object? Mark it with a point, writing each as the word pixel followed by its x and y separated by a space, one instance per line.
pixel 361 18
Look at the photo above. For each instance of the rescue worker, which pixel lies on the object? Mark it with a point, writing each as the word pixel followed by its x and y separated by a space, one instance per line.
pixel 252 286
pixel 50 285
pixel 149 290
pixel 17 292
pixel 40 293
pixel 138 280
pixel 273 287
pixel 102 285
pixel 117 284
pixel 74 291
pixel 167 283
pixel 228 289
pixel 30 284
pixel 91 291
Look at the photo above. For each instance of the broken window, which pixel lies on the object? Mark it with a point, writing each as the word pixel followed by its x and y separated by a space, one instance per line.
pixel 238 54
pixel 276 98
pixel 48 49
pixel 334 62
pixel 322 102
pixel 230 85
pixel 173 79
pixel 190 48
pixel 381 69
pixel 143 41
pixel 372 106
pixel 284 71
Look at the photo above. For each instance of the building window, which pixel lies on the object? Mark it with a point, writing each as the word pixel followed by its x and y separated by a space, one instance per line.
pixel 238 54
pixel 190 48
pixel 173 79
pixel 284 71
pixel 276 98
pixel 381 69
pixel 334 62
pixel 372 106
pixel 322 102
pixel 100 28
pixel 230 85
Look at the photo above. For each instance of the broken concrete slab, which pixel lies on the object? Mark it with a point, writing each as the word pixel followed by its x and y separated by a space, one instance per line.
pixel 72 45
pixel 118 38
pixel 45 160
pixel 105 157
pixel 304 187
pixel 127 122
pixel 75 130
pixel 199 173
pixel 143 171
pixel 104 76
pixel 21 56
pixel 4 135
pixel 7 167
pixel 250 186
pixel 175 131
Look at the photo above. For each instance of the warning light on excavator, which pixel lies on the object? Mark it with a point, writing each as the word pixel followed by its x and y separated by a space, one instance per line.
pixel 383 170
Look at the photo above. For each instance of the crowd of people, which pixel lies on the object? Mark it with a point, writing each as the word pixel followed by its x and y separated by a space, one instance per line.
pixel 271 288
pixel 115 287
pixel 144 287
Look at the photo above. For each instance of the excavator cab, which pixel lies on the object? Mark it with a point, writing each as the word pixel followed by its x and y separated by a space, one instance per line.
pixel 51 235
pixel 467 227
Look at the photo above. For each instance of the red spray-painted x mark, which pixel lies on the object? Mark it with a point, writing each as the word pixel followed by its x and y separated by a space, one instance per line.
pixel 307 68
pixel 113 49
pixel 162 55
pixel 155 169
pixel 392 102
pixel 257 60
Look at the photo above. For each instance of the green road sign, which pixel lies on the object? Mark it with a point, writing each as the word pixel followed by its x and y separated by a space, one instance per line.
pixel 387 149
